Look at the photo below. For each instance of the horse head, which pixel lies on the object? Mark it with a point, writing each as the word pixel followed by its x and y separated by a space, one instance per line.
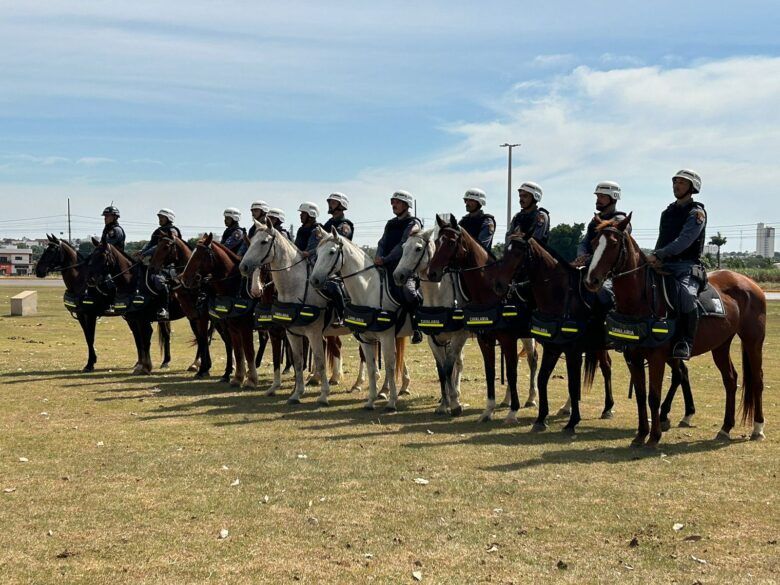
pixel 261 248
pixel 417 252
pixel 516 254
pixel 330 256
pixel 609 252
pixel 51 259
pixel 200 264
pixel 448 247
pixel 101 263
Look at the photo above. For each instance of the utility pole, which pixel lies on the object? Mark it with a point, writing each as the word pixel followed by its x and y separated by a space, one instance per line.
pixel 70 239
pixel 509 183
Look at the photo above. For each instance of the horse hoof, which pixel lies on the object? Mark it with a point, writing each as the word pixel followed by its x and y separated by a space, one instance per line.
pixel 652 444
pixel 224 380
pixel 323 402
pixel 607 415
pixel 334 381
pixel 390 409
pixel 570 431
pixel 381 396
pixel 538 427
pixel 355 389
pixel 757 436
pixel 249 384
pixel 440 410
pixel 638 442
pixel 201 375
pixel 165 365
pixel 485 417
pixel 530 404
pixel 666 425
pixel 723 436
pixel 564 411
pixel 193 367
pixel 504 405
pixel 88 368
pixel 293 400
pixel 684 424
pixel 368 406
pixel 404 392
pixel 511 418
pixel 457 411
pixel 235 383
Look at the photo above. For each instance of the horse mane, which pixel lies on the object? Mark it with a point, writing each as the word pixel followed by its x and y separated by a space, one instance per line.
pixel 550 256
pixel 473 245
pixel 227 251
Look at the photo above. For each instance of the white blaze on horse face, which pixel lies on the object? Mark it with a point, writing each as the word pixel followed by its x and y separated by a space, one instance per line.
pixel 597 254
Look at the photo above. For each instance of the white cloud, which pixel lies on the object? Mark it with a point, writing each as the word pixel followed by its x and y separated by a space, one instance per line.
pixel 93 161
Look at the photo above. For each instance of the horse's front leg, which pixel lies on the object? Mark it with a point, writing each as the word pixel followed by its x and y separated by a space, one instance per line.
pixel 532 357
pixel 487 345
pixel 509 345
pixel 371 367
pixel 636 363
pixel 248 347
pixel 388 353
pixel 298 363
pixel 657 364
pixel 549 358
pixel 320 367
pixel 574 375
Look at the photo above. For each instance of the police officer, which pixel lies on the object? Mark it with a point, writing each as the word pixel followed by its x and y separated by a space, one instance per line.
pixel 389 249
pixel 276 216
pixel 531 221
pixel 233 236
pixel 259 210
pixel 112 232
pixel 480 225
pixel 166 218
pixel 679 248
pixel 305 239
pixel 338 203
pixel 607 195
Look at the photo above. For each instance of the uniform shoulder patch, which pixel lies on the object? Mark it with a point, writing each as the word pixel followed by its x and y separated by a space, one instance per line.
pixel 700 216
pixel 491 227
pixel 541 218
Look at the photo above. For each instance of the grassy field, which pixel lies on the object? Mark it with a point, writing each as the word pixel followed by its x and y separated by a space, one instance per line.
pixel 113 478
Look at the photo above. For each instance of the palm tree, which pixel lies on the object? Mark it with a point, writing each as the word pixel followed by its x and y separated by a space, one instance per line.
pixel 718 241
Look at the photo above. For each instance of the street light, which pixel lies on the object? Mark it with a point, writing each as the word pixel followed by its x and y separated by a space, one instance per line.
pixel 509 183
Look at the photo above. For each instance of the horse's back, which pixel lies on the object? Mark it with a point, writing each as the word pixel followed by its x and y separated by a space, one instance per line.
pixel 741 289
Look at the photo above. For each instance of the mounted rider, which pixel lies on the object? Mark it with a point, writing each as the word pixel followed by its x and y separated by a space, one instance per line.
pixel 678 249
pixel 112 232
pixel 233 236
pixel 277 218
pixel 305 238
pixel 259 210
pixel 166 218
pixel 390 249
pixel 333 288
pixel 480 225
pixel 531 221
pixel 607 195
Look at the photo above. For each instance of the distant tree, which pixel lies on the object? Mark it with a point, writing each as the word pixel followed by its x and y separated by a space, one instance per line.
pixel 37 252
pixel 132 247
pixel 85 248
pixel 565 238
pixel 718 240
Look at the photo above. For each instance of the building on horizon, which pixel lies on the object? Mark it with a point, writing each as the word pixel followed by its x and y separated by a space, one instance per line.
pixel 765 241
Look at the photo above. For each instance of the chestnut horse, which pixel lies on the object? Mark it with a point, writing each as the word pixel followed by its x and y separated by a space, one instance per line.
pixel 173 251
pixel 618 256
pixel 457 251
pixel 215 263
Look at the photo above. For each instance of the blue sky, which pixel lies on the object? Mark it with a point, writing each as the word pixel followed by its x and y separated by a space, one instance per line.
pixel 202 105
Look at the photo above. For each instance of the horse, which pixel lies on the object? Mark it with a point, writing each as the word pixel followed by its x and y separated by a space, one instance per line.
pixel 173 251
pixel 60 256
pixel 458 252
pixel 618 256
pixel 212 262
pixel 108 267
pixel 289 272
pixel 365 286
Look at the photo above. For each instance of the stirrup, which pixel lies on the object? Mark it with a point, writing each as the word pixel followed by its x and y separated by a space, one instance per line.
pixel 417 336
pixel 682 350
pixel 163 315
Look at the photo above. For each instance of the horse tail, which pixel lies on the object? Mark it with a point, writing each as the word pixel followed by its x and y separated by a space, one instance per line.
pixel 163 334
pixel 751 386
pixel 591 362
pixel 400 351
pixel 332 351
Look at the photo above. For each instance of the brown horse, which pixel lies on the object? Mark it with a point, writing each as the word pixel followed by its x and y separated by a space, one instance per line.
pixel 457 251
pixel 213 262
pixel 107 267
pixel 618 256
pixel 173 251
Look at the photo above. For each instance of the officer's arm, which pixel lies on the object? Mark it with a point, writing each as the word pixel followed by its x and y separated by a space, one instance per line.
pixel 541 227
pixel 486 233
pixel 380 248
pixel 692 227
pixel 509 231
pixel 345 230
pixel 397 252
pixel 311 245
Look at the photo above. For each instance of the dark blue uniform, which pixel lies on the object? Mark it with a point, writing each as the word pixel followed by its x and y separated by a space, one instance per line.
pixel 114 234
pixel 233 238
pixel 532 224
pixel 481 226
pixel 343 226
pixel 390 250
pixel 163 231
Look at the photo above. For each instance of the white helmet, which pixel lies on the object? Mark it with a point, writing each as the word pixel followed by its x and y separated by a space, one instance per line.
pixel 341 198
pixel 532 188
pixel 232 213
pixel 310 208
pixel 692 176
pixel 277 213
pixel 610 188
pixel 259 204
pixel 404 196
pixel 165 212
pixel 477 195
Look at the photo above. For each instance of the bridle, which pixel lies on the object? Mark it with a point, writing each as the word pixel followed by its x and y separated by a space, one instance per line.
pixel 622 255
pixel 449 267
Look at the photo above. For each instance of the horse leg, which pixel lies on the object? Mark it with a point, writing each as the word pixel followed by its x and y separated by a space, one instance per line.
pixel 361 377
pixel 88 322
pixel 509 344
pixel 753 382
pixel 666 405
pixel 532 357
pixel 656 365
pixel 406 380
pixel 369 350
pixel 320 368
pixel 574 375
pixel 605 365
pixel 200 327
pixel 262 343
pixel 685 384
pixel 277 339
pixel 195 365
pixel 299 363
pixel 238 354
pixel 389 355
pixel 289 362
pixel 549 359
pixel 248 349
pixel 334 360
pixel 440 359
pixel 728 374
pixel 164 335
pixel 147 332
pixel 487 344
pixel 455 364
pixel 221 327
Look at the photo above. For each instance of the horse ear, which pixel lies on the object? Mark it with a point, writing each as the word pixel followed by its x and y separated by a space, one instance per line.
pixel 207 240
pixel 266 223
pixel 416 229
pixel 55 239
pixel 333 232
pixel 440 221
pixel 624 223
pixel 453 222
pixel 49 237
pixel 95 241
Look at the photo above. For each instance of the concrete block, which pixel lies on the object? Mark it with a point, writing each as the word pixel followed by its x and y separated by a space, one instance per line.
pixel 25 303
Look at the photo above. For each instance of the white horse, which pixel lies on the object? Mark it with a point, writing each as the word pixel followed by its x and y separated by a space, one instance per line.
pixel 363 281
pixel 290 273
pixel 447 348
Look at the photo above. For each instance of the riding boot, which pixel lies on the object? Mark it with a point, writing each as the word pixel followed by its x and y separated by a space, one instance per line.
pixel 339 302
pixel 688 324
pixel 162 312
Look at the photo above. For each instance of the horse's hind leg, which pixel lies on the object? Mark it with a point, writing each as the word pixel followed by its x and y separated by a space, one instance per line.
pixel 574 375
pixel 248 349
pixel 605 365
pixel 487 345
pixel 728 373
pixel 361 377
pixel 262 342
pixel 334 360
pixel 532 357
pixel 690 407
pixel 277 339
pixel 88 322
pixel 297 356
pixel 549 358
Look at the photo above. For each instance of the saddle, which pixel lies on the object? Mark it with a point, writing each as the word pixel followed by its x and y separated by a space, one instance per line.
pixel 708 301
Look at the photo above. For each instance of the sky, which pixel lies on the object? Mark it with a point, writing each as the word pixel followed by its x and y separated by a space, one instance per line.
pixel 198 106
